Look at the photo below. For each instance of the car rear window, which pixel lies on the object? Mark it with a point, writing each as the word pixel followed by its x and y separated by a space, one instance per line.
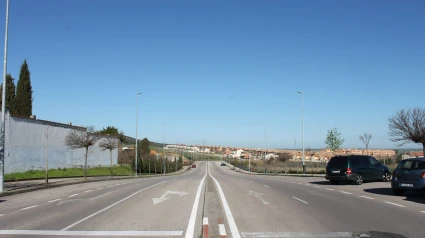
pixel 338 163
pixel 413 165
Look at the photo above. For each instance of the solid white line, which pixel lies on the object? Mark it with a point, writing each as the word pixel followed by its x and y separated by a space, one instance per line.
pixel 88 191
pixel 25 208
pixel 300 200
pixel 100 196
pixel 297 234
pixel 205 221
pixel 345 192
pixel 192 220
pixel 266 186
pixel 395 204
pixel 73 195
pixel 330 189
pixel 366 197
pixel 55 200
pixel 90 233
pixel 106 208
pixel 233 228
pixel 222 229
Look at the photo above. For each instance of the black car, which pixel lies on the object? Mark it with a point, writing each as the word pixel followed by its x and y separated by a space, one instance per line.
pixel 222 164
pixel 356 168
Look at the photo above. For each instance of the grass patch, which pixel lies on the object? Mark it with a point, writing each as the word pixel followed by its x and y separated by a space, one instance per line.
pixel 68 172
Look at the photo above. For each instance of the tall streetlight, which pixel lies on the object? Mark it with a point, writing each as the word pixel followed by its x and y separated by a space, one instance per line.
pixel 265 146
pixel 302 108
pixel 163 147
pixel 3 105
pixel 137 120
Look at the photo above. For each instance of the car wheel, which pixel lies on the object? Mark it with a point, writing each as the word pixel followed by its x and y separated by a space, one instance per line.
pixel 398 192
pixel 334 182
pixel 386 177
pixel 359 180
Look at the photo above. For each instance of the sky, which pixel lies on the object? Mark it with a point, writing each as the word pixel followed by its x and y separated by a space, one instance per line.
pixel 217 70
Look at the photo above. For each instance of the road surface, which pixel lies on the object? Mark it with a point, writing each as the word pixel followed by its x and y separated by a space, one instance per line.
pixel 214 201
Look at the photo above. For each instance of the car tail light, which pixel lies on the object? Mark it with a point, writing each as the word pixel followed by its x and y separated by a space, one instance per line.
pixel 423 174
pixel 348 171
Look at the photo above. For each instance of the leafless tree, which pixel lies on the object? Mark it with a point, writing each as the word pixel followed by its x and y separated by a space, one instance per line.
pixel 77 139
pixel 284 156
pixel 365 138
pixel 408 126
pixel 109 143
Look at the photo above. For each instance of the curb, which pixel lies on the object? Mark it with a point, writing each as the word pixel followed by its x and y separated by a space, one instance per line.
pixel 52 185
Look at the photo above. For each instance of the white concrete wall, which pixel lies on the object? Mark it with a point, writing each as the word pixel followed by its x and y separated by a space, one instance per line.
pixel 25 147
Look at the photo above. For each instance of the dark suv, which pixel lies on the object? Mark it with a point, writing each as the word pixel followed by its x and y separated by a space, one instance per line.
pixel 356 168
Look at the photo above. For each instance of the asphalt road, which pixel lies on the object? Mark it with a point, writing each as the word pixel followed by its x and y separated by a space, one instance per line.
pixel 216 201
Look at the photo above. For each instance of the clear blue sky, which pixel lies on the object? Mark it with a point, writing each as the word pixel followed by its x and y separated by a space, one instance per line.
pixel 217 70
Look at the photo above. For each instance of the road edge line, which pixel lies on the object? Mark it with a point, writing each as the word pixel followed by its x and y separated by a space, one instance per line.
pixel 192 220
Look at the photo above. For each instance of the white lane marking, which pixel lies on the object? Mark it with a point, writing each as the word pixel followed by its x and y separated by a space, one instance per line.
pixel 257 195
pixel 345 192
pixel 25 208
pixel 330 189
pixel 117 184
pixel 308 184
pixel 292 182
pixel 1 215
pixel 88 191
pixel 205 221
pixel 395 204
pixel 73 195
pixel 55 200
pixel 317 186
pixel 109 186
pixel 297 234
pixel 90 233
pixel 233 228
pixel 192 220
pixel 266 186
pixel 106 208
pixel 421 211
pixel 366 197
pixel 100 196
pixel 222 229
pixel 99 188
pixel 300 200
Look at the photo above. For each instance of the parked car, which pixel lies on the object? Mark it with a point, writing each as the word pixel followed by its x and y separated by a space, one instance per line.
pixel 193 165
pixel 222 164
pixel 409 175
pixel 357 169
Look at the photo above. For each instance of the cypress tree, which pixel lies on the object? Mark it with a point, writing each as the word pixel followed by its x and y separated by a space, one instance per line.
pixel 23 98
pixel 10 93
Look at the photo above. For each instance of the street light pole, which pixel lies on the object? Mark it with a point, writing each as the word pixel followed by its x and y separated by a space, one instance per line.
pixel 137 120
pixel 302 108
pixel 163 146
pixel 265 146
pixel 3 104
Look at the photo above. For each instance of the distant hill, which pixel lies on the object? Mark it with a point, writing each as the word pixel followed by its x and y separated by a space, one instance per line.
pixel 131 141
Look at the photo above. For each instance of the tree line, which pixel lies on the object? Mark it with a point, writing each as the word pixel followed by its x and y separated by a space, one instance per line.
pixel 19 98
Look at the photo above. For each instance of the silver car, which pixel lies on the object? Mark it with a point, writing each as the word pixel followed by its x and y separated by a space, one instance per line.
pixel 409 175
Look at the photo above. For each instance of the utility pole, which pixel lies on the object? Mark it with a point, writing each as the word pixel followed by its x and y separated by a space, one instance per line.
pixel 302 107
pixel 163 147
pixel 3 105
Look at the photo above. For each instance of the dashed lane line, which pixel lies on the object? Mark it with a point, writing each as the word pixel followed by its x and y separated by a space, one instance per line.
pixel 317 186
pixel 345 192
pixel 88 191
pixel 25 208
pixel 1 215
pixel 367 197
pixel 55 200
pixel 395 204
pixel 330 189
pixel 73 195
pixel 300 200
pixel 266 186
